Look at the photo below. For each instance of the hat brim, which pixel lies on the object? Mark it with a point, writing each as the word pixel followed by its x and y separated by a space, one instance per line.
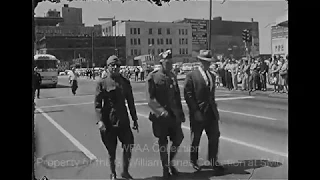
pixel 205 59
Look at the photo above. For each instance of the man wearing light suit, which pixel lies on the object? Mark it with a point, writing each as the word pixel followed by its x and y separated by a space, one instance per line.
pixel 199 93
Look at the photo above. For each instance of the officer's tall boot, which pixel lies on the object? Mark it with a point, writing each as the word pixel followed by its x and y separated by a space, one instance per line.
pixel 173 153
pixel 126 162
pixel 164 161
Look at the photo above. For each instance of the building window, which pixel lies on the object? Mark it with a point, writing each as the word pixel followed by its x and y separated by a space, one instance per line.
pixel 167 41
pixel 138 30
pixel 134 31
pixel 170 41
pixel 132 52
pixel 186 41
pixel 182 31
pixel 182 41
pixel 135 52
pixel 179 31
pixel 168 30
pixel 139 41
pixel 130 30
pixel 135 41
pixel 131 41
pixel 150 30
pixel 159 30
pixel 187 51
pixel 186 31
pixel 161 40
pixel 182 51
pixel 179 41
pixel 152 42
pixel 149 41
pixel 158 51
pixel 153 51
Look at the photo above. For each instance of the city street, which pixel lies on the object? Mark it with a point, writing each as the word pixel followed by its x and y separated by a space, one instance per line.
pixel 253 142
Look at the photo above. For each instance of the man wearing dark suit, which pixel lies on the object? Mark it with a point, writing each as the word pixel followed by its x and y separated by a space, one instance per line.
pixel 36 82
pixel 199 93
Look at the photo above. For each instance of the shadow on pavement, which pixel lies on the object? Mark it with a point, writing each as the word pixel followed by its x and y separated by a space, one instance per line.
pixel 238 168
pixel 58 86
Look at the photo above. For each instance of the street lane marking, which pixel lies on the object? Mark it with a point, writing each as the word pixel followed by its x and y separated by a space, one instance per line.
pixel 145 103
pixel 67 97
pixel 251 115
pixel 69 136
pixel 235 141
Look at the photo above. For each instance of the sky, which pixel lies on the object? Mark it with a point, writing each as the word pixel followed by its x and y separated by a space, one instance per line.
pixel 262 11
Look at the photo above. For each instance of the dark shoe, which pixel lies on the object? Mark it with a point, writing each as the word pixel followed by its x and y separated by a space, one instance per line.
pixel 174 171
pixel 218 167
pixel 166 174
pixel 126 175
pixel 113 176
pixel 196 166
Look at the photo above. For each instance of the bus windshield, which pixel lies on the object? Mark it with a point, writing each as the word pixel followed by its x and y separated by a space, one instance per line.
pixel 46 64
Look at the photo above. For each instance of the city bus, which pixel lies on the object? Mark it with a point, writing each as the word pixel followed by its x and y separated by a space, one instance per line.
pixel 47 66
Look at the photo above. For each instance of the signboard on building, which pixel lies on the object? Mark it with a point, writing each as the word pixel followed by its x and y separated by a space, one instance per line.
pixel 279 46
pixel 199 31
pixel 279 32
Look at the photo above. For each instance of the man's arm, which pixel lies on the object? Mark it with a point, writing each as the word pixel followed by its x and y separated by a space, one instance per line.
pixel 130 101
pixel 213 100
pixel 189 94
pixel 150 95
pixel 98 101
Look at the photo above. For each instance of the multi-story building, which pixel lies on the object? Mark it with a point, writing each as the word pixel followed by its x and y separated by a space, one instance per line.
pixel 143 38
pixel 279 36
pixel 70 24
pixel 226 36
pixel 68 48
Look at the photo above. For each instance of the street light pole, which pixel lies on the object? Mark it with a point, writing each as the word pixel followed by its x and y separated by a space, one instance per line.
pixel 210 17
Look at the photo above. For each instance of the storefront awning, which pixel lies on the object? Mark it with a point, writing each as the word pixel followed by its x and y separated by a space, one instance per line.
pixel 283 20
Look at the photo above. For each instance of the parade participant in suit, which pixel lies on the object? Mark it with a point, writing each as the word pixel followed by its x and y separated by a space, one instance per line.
pixel 199 93
pixel 112 92
pixel 163 96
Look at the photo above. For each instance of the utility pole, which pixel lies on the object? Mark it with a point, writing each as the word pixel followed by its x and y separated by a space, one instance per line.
pixel 115 39
pixel 252 39
pixel 210 17
pixel 92 54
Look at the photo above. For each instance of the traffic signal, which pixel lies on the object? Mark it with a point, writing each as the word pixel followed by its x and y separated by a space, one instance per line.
pixel 249 36
pixel 245 35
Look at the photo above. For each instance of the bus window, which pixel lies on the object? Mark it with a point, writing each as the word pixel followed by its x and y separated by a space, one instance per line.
pixel 46 64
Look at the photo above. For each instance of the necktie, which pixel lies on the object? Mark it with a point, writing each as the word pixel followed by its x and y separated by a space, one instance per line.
pixel 207 74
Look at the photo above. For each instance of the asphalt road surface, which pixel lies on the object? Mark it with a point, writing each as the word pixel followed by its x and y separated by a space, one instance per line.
pixel 253 142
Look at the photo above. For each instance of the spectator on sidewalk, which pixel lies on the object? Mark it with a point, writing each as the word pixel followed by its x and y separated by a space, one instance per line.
pixel 246 73
pixel 253 79
pixel 228 75
pixel 223 72
pixel 282 75
pixel 136 71
pixel 234 74
pixel 275 75
pixel 263 75
pixel 142 70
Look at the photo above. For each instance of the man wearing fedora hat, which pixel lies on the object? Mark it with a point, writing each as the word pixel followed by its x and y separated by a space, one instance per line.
pixel 112 92
pixel 199 93
pixel 163 97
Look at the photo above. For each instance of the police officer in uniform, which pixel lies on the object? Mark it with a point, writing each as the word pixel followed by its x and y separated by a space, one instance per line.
pixel 163 96
pixel 113 90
